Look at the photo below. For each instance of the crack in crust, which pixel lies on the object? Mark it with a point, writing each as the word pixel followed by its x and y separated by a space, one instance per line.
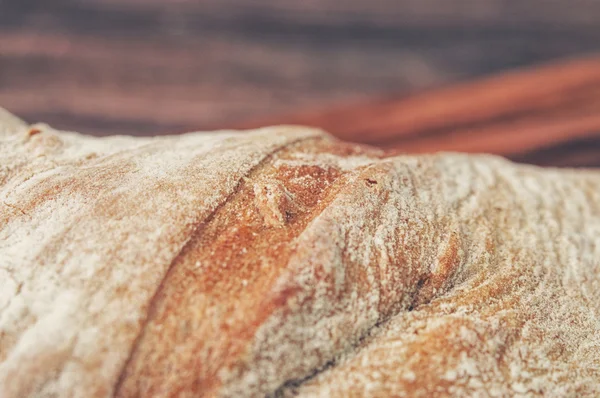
pixel 199 227
pixel 98 235
pixel 239 240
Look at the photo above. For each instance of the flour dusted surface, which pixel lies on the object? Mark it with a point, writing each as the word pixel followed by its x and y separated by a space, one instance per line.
pixel 519 314
pixel 88 228
pixel 283 261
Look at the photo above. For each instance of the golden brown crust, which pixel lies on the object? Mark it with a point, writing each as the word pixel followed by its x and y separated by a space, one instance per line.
pixel 88 229
pixel 219 289
pixel 283 261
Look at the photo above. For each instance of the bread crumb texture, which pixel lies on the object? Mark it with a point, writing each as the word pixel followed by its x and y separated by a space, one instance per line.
pixel 283 262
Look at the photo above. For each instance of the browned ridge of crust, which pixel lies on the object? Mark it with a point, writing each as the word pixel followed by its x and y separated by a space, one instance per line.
pixel 221 284
pixel 281 261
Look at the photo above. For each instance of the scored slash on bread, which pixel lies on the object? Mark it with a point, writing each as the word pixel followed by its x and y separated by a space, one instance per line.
pixel 281 261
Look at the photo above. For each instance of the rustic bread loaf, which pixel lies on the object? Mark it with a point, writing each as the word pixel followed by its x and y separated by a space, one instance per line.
pixel 281 261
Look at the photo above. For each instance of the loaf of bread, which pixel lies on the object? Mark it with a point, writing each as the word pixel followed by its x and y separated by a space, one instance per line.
pixel 283 262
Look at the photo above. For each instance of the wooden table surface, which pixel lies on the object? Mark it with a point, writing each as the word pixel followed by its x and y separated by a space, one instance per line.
pixel 406 74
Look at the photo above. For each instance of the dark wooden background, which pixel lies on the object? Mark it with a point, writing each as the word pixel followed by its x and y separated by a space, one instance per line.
pixel 158 66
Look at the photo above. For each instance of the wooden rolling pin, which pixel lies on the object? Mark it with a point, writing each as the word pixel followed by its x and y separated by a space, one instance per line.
pixel 547 115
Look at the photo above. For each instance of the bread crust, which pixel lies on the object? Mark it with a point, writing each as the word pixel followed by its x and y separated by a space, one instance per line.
pixel 282 261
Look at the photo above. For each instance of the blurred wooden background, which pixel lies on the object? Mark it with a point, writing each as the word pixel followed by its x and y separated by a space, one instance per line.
pixel 160 66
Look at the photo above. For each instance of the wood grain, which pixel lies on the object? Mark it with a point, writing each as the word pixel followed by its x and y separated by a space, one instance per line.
pixel 148 67
pixel 389 72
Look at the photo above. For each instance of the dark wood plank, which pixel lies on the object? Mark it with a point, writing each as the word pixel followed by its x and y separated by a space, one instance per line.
pixel 154 66
pixel 150 66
